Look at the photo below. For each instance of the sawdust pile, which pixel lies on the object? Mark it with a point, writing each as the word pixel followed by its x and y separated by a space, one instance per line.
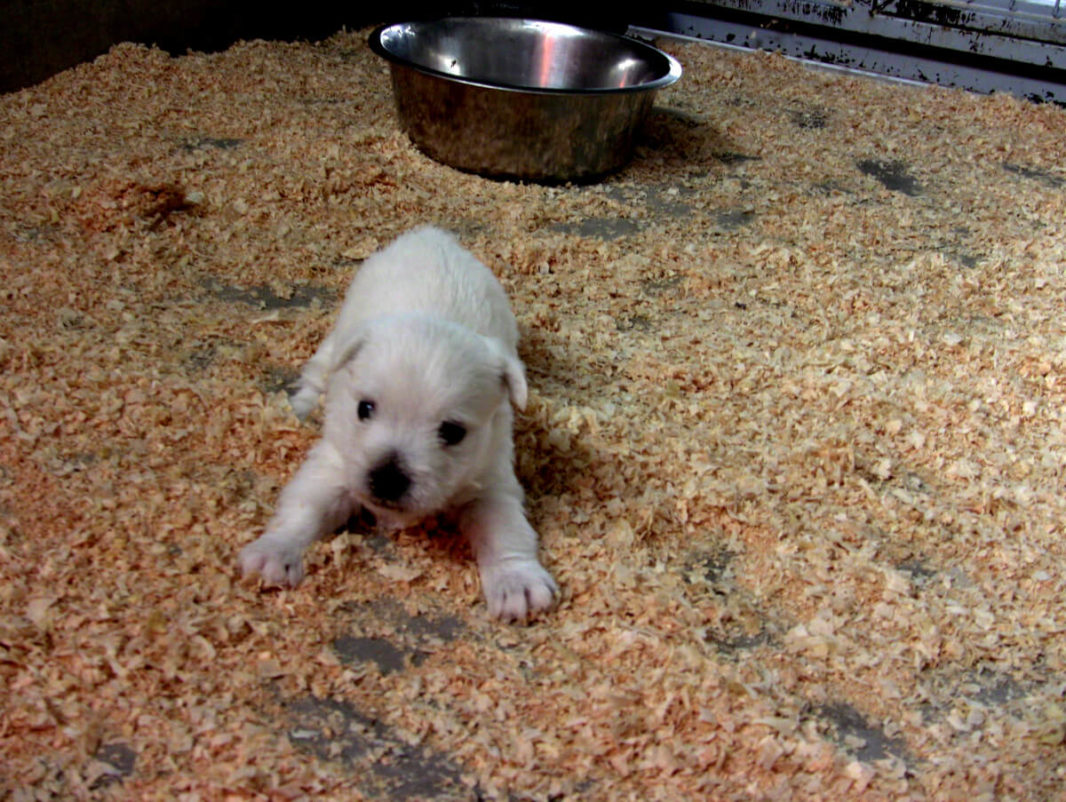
pixel 795 446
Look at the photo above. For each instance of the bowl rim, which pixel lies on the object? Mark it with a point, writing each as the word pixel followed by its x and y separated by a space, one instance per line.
pixel 673 73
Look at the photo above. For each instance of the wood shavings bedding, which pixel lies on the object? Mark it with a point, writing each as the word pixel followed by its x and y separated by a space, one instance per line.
pixel 794 446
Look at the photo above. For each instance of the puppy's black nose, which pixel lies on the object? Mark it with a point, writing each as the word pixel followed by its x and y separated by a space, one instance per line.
pixel 387 481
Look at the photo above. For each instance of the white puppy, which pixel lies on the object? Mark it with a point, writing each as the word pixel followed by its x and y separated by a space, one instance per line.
pixel 419 375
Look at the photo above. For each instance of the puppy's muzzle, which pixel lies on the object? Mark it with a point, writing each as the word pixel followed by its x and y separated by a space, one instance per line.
pixel 387 481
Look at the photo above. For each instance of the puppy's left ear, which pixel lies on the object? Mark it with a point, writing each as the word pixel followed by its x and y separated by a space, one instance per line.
pixel 514 378
pixel 512 374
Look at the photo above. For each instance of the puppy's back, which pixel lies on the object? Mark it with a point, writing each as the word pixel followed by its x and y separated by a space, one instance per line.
pixel 427 270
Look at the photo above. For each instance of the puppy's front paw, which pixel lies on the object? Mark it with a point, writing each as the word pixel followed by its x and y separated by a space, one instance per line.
pixel 278 563
pixel 516 589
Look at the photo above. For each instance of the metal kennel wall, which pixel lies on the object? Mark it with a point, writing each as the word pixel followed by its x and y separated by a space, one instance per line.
pixel 1016 46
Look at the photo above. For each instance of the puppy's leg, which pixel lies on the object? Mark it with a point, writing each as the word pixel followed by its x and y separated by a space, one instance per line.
pixel 514 582
pixel 312 504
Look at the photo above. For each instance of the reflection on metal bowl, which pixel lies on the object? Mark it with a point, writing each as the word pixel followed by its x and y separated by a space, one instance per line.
pixel 523 99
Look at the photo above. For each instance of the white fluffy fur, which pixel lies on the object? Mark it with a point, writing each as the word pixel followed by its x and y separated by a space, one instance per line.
pixel 425 334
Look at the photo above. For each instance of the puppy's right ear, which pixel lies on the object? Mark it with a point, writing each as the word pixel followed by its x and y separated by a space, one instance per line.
pixel 512 372
pixel 514 379
pixel 348 350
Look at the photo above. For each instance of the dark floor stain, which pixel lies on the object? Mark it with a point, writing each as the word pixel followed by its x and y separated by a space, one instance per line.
pixel 348 55
pixel 407 640
pixel 732 158
pixel 388 657
pixel 604 228
pixel 712 567
pixel 636 322
pixel 302 296
pixel 64 464
pixel 997 689
pixel 831 187
pixel 920 572
pixel 986 686
pixel 120 758
pixel 667 204
pixel 200 357
pixel 660 201
pixel 731 219
pixel 389 768
pixel 278 377
pixel 443 628
pixel 741 625
pixel 850 729
pixel 326 101
pixel 1044 177
pixel 71 320
pixel 195 143
pixel 741 101
pixel 892 175
pixel 866 467
pixel 35 234
pixel 742 642
pixel 660 286
pixel 809 119
pixel 958 246
pixel 440 627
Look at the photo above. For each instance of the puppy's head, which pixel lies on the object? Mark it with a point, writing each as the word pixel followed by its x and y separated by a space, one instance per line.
pixel 420 410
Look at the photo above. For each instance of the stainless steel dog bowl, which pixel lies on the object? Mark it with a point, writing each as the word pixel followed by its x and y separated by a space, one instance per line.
pixel 518 98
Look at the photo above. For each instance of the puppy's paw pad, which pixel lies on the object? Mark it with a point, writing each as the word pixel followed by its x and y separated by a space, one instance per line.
pixel 276 563
pixel 514 591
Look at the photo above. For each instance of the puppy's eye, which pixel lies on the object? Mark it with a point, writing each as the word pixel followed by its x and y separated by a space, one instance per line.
pixel 365 410
pixel 451 433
